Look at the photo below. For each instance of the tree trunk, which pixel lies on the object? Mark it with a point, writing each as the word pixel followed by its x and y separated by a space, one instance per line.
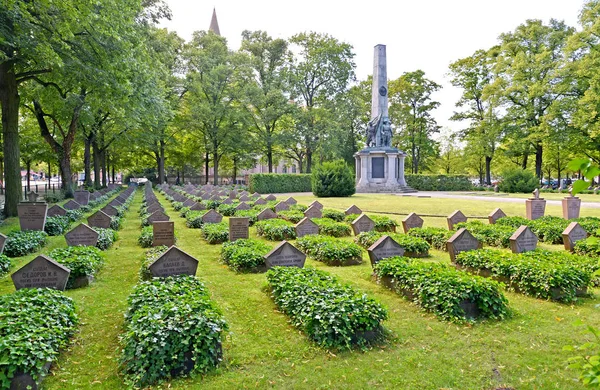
pixel 97 160
pixel 539 153
pixel 183 174
pixel 235 159
pixel 161 162
pixel 103 165
pixel 28 168
pixel 206 161
pixel 525 158
pixel 216 168
pixel 87 161
pixel 65 173
pixel 488 170
pixel 269 157
pixel 49 175
pixel 108 163
pixel 308 159
pixel 9 99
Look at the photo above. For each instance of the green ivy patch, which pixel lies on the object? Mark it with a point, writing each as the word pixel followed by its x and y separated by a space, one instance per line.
pixel 245 255
pixel 252 215
pixel 23 242
pixel 215 233
pixel 336 215
pixel 490 234
pixel 193 219
pixel 5 264
pixel 149 257
pixel 436 237
pixel 293 216
pixel 57 225
pixel 83 261
pixel 106 237
pixel 275 229
pixel 330 251
pixel 413 246
pixel 332 228
pixel 383 223
pixel 227 210
pixel 146 237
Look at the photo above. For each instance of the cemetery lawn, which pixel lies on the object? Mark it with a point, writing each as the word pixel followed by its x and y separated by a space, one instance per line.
pixel 263 350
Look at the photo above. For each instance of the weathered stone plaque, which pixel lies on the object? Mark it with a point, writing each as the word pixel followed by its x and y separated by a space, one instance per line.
pixel 353 210
pixel 215 197
pixel 206 196
pixel 41 272
pixel 260 201
pixel 243 206
pixel 32 196
pixel 212 217
pixel 573 233
pixel 198 206
pixel 71 205
pixel 174 262
pixel 56 210
pixel 285 255
pixel 32 216
pixel 233 194
pixel 316 204
pixel 535 208
pixel 313 212
pixel 256 195
pixel 99 219
pixel 158 216
pixel 266 214
pixel 306 227
pixel 454 218
pixel 163 233
pixel 377 167
pixel 239 228
pixel 2 242
pixel 461 241
pixel 270 197
pixel 362 224
pixel 383 248
pixel 571 205
pixel 188 203
pixel 82 234
pixel 281 206
pixel 412 221
pixel 523 240
pixel 110 210
pixel 245 198
pixel 116 203
pixel 227 201
pixel 82 197
pixel 154 208
pixel 291 201
pixel 496 215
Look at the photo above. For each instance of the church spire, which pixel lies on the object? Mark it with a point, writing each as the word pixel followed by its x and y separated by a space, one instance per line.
pixel 214 25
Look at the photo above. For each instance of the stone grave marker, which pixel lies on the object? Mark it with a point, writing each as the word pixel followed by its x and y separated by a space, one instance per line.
pixel 270 197
pixel 233 194
pixel 245 198
pixel 56 210
pixel 412 221
pixel 2 242
pixel 32 216
pixel 198 206
pixel 215 197
pixel 212 217
pixel 496 215
pixel 266 214
pixel 353 210
pixel 82 197
pixel 316 204
pixel 239 228
pixel 383 248
pixel 82 234
pixel 454 218
pixel 174 262
pixel 99 219
pixel 188 203
pixel 41 272
pixel 291 201
pixel 154 208
pixel 571 205
pixel 313 212
pixel 243 206
pixel 163 233
pixel 573 233
pixel 227 201
pixel 256 195
pixel 461 241
pixel 281 206
pixel 71 205
pixel 116 202
pixel 362 224
pixel 285 255
pixel 110 210
pixel 206 196
pixel 32 196
pixel 158 216
pixel 260 201
pixel 535 207
pixel 306 227
pixel 523 240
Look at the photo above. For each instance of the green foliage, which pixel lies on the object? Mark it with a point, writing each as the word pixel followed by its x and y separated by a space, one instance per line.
pixel 245 255
pixel 149 257
pixel 277 183
pixel 331 228
pixel 333 179
pixel 183 212
pixel 518 180
pixel 547 275
pixel 177 205
pixel 329 250
pixel 226 210
pixel 351 217
pixel 548 228
pixel 170 325
pixel 589 247
pixel 54 197
pixel 20 243
pixel 146 237
pixel 106 237
pixel 336 215
pixel 319 305
pixel 436 237
pixel 5 264
pixel 193 219
pixel 588 363
pixel 413 246
pixel 589 224
pixel 491 234
pixel 215 233
pixel 115 223
pixel 74 215
pixel 383 223
pixel 443 290
pixel 57 225
pixel 439 182
pixel 250 214
pixel 81 260
pixel 275 229
pixel 513 222
pixel 293 216
pixel 36 324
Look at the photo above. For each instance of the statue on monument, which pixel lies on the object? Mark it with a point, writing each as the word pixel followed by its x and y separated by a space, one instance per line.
pixel 379 132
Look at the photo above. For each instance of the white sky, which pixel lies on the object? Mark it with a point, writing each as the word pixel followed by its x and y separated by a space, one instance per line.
pixel 419 34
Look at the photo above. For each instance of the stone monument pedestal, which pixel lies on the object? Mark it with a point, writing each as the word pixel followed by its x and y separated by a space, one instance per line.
pixel 571 206
pixel 380 169
pixel 535 208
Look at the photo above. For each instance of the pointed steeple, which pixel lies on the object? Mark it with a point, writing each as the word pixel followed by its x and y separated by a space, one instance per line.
pixel 214 25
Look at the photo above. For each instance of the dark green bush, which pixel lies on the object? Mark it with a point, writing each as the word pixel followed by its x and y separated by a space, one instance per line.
pixel 333 179
pixel 589 224
pixel 413 246
pixel 549 228
pixel 5 264
pixel 351 217
pixel 146 237
pixel 177 205
pixel 275 229
pixel 115 223
pixel 514 222
pixel 215 233
pixel 81 260
pixel 54 197
pixel 336 215
pixel 21 243
pixel 318 304
pixel 277 183
pixel 441 289
pixel 57 225
pixel 106 237
pixel 439 182
pixel 518 180
pixel 36 324
pixel 436 237
pixel 329 250
pixel 245 255
pixel 329 227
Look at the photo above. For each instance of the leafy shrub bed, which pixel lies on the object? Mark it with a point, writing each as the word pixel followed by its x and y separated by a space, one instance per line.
pixel 5 264
pixel 277 183
pixel 330 250
pixel 336 215
pixel 450 294
pixel 275 229
pixel 590 224
pixel 293 216
pixel 106 237
pixel 383 223
pixel 177 205
pixel 548 228
pixel 20 243
pixel 333 178
pixel 252 215
pixel 541 274
pixel 172 328
pixel 245 255
pixel 589 247
pixel 215 233
pixel 57 225
pixel 439 182
pixel 331 228
pixel 146 237
pixel 319 305
pixel 35 325
pixel 83 261
pixel 490 234
pixel 115 223
pixel 227 210
pixel 74 215
pixel 193 219
pixel 436 237
pixel 149 257
pixel 413 246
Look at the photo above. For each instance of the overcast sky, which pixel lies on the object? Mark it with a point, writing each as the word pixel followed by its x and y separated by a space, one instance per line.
pixel 419 34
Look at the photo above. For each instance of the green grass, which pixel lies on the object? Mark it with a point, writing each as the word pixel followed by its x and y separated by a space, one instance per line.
pixel 263 350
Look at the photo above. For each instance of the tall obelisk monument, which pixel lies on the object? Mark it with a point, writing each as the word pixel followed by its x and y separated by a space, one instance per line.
pixel 379 94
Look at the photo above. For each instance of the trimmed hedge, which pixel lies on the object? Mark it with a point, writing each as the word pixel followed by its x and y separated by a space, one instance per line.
pixel 443 290
pixel 277 183
pixel 252 215
pixel 413 246
pixel 227 210
pixel 215 233
pixel 5 264
pixel 245 255
pixel 170 326
pixel 23 242
pixel 275 229
pixel 319 305
pixel 329 250
pixel 436 237
pixel 83 261
pixel 333 179
pixel 331 228
pixel 439 182
pixel 36 324
pixel 57 225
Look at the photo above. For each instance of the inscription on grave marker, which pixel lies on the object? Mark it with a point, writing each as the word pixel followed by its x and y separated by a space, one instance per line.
pixel 239 228
pixel 362 224
pixel 285 255
pixel 461 241
pixel 32 216
pixel 174 262
pixel 163 233
pixel 523 240
pixel 573 233
pixel 384 248
pixel 82 234
pixel 306 227
pixel 41 272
